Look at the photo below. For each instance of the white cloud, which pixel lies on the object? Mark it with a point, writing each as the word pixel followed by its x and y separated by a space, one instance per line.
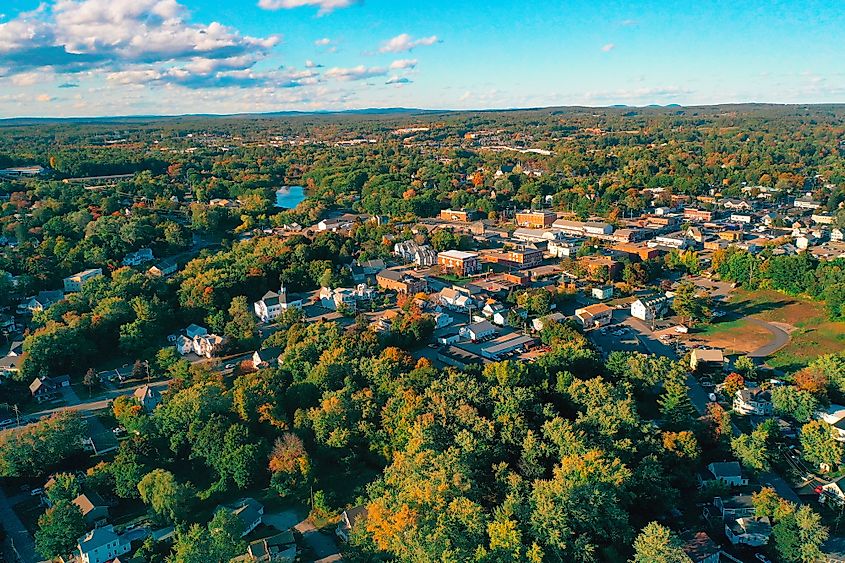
pixel 44 98
pixel 405 42
pixel 325 6
pixel 325 41
pixel 359 72
pixel 311 64
pixel 398 80
pixel 640 96
pixel 77 35
pixel 402 64
pixel 608 47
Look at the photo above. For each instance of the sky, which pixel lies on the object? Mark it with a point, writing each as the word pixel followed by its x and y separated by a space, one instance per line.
pixel 165 57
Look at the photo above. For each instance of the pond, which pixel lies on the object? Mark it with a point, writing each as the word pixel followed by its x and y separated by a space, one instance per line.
pixel 289 197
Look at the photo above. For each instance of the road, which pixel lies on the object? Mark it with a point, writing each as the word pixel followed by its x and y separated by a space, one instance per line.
pixel 17 532
pixel 87 407
pixel 700 398
pixel 780 338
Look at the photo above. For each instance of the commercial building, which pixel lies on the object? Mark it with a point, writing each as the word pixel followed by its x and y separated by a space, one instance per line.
pixel 399 282
pixel 594 315
pixel 535 219
pixel 461 215
pixel 77 281
pixel 459 262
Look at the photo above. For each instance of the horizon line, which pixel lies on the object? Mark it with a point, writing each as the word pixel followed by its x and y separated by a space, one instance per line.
pixel 400 109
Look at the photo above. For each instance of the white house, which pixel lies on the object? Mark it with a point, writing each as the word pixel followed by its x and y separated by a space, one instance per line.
pixel 603 292
pixel 728 472
pixel 272 304
pixel 650 308
pixel 208 345
pixel 753 531
pixel 478 331
pixel 563 248
pixel 754 401
pixel 834 415
pixel 457 299
pixel 345 297
pixel 101 545
pixel 138 257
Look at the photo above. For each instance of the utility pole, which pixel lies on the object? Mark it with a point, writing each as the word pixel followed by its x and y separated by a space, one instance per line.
pixel 17 413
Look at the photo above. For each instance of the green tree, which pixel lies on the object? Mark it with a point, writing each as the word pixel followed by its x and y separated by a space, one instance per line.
pixel 59 528
pixel 798 536
pixel 752 450
pixel 242 326
pixel 689 304
pixel 161 492
pixel 788 400
pixel 819 444
pixel 64 486
pixel 657 544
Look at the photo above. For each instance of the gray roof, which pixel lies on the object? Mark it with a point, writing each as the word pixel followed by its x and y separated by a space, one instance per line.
pixel 97 537
pixel 725 469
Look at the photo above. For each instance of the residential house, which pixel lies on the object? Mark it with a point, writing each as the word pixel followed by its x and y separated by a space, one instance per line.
pixel 756 401
pixel 700 548
pixel 101 545
pixel 459 262
pixel 46 388
pixel 542 322
pixel 727 472
pixel 273 304
pixel 266 357
pixel 594 315
pixel 94 509
pixel 834 416
pixel 348 519
pixel 837 235
pixel 8 325
pixel 456 298
pixel 208 345
pixel 478 331
pixel 602 292
pixel 164 268
pixel 138 257
pixel 249 511
pixel 350 298
pixel 753 531
pixel 701 358
pixel 149 397
pixel 736 506
pixel 400 282
pixel 79 280
pixel 280 548
pixel 651 308
pixel 41 302
pixel 744 218
pixel 420 254
pixel 365 270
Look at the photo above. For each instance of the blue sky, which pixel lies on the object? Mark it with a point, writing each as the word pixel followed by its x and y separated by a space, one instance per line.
pixel 123 57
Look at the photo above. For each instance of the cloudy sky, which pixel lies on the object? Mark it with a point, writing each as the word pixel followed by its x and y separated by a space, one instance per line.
pixel 129 57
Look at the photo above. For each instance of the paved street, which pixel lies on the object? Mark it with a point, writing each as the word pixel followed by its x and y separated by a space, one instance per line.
pixel 780 338
pixel 19 536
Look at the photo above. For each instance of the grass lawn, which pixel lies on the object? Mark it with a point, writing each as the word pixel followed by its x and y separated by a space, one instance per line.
pixel 812 333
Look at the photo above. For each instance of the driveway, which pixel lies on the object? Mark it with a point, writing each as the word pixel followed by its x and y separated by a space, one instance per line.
pixel 780 338
pixel 17 532
pixel 322 545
